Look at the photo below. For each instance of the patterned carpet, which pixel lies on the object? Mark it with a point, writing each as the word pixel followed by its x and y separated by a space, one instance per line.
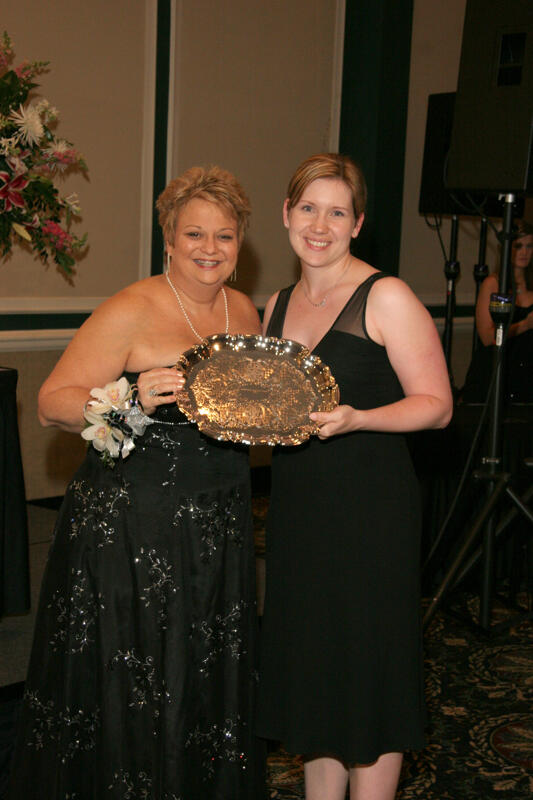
pixel 479 694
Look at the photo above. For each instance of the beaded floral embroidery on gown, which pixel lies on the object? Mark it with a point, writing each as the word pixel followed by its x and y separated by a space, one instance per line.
pixel 143 674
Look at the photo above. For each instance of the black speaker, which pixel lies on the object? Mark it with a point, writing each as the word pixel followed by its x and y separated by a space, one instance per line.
pixel 491 143
pixel 435 198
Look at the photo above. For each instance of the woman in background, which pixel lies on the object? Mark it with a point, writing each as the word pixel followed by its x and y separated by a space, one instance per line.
pixel 143 672
pixel 518 376
pixel 341 674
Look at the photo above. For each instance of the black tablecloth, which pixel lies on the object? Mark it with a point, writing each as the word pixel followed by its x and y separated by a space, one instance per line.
pixel 14 566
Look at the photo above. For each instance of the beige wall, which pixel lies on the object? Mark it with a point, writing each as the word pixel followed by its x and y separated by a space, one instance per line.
pixel 96 51
pixel 255 91
pixel 249 93
pixel 241 89
pixel 99 59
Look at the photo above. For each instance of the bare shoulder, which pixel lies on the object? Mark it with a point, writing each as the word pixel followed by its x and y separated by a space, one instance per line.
pixel 271 302
pixel 389 291
pixel 269 308
pixel 100 348
pixel 242 310
pixel 129 304
pixel 240 301
pixel 491 283
pixel 141 293
pixel 488 287
pixel 394 311
pixel 272 299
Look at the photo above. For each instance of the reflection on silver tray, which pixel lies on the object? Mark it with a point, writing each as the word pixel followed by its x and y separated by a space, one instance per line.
pixel 255 389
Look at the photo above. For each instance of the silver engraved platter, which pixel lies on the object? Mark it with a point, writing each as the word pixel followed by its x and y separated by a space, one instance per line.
pixel 254 389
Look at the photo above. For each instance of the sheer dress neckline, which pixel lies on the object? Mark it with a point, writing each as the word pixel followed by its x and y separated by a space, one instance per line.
pixel 351 317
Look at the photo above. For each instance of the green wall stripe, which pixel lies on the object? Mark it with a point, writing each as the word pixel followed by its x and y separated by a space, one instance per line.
pixel 439 311
pixel 160 126
pixel 36 322
pixel 375 87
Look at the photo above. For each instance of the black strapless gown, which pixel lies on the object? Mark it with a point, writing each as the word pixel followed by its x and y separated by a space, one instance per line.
pixel 143 677
pixel 341 665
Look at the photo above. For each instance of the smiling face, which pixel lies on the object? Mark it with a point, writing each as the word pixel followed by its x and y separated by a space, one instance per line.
pixel 206 244
pixel 322 223
pixel 522 251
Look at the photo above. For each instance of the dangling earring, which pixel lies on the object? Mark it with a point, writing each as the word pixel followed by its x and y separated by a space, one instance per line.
pixel 169 259
pixel 233 276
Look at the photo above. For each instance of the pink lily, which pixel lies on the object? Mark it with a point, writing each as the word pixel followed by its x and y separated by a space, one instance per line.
pixel 10 191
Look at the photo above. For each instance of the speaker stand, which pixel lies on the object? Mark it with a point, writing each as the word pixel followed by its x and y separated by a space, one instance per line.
pixel 452 271
pixel 497 480
pixel 480 272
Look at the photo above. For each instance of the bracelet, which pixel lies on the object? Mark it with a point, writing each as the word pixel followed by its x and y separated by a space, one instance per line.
pixel 87 405
pixel 134 416
pixel 135 397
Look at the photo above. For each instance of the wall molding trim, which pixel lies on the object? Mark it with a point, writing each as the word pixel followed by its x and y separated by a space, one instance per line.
pixel 49 305
pixel 58 339
pixel 22 341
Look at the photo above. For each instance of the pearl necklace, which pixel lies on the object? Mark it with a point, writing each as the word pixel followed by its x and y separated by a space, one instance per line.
pixel 189 323
pixel 324 299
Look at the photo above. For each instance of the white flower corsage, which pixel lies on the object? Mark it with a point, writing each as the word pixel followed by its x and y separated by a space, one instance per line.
pixel 115 419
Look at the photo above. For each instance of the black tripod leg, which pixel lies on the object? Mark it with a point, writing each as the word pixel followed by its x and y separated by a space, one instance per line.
pixel 470 538
pixel 506 521
pixel 521 502
pixel 451 270
pixel 487 571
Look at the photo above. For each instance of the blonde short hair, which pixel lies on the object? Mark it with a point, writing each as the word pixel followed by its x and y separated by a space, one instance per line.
pixel 214 184
pixel 329 165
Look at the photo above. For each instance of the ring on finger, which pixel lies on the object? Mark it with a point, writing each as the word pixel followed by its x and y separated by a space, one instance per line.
pixel 152 392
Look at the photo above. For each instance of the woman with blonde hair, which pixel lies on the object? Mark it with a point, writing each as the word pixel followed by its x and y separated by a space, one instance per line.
pixel 341 674
pixel 143 671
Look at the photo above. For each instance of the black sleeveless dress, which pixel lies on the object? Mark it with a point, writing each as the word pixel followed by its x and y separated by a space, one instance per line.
pixel 143 672
pixel 341 666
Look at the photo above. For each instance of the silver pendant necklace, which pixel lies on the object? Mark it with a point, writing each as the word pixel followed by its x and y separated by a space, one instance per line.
pixel 189 323
pixel 324 299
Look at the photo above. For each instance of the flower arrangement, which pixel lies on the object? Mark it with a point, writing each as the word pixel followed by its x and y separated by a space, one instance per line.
pixel 32 212
pixel 114 419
